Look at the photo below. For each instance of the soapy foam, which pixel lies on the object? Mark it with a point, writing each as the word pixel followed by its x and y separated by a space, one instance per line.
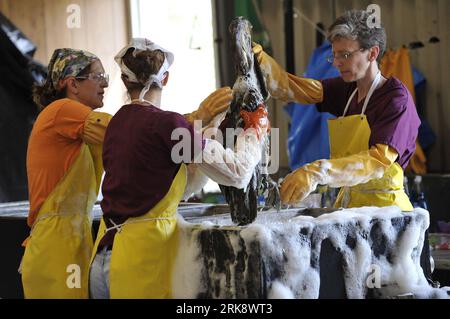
pixel 288 242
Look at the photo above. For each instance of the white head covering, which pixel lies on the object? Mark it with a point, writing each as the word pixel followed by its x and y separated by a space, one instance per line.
pixel 139 45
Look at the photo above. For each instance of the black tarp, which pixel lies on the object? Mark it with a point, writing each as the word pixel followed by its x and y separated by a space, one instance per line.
pixel 18 71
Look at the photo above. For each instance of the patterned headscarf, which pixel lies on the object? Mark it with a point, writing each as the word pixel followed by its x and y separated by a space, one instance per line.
pixel 139 45
pixel 68 62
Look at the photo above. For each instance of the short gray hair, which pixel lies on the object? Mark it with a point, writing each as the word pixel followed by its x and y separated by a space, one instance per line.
pixel 353 25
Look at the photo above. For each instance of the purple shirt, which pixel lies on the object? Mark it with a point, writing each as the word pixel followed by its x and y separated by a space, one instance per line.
pixel 137 160
pixel 391 113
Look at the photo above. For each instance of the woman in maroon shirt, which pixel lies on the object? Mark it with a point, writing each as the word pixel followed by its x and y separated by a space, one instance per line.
pixel 144 181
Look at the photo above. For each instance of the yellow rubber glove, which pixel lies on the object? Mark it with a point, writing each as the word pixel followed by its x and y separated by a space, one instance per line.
pixel 345 171
pixel 285 86
pixel 215 103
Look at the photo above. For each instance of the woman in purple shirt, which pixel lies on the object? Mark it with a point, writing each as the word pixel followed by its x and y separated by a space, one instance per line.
pixel 145 179
pixel 374 135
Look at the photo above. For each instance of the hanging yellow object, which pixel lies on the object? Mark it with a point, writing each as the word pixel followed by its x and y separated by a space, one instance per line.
pixel 398 63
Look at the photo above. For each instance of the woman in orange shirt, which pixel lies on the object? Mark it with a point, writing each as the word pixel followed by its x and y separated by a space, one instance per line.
pixel 64 172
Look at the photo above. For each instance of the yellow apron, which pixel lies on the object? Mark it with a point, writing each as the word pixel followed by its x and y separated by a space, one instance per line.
pixel 145 248
pixel 350 135
pixel 56 259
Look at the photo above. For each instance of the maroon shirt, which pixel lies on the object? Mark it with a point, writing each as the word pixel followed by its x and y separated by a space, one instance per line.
pixel 391 113
pixel 137 159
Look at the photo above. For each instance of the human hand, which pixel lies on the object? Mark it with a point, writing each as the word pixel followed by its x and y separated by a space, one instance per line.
pixel 299 184
pixel 217 102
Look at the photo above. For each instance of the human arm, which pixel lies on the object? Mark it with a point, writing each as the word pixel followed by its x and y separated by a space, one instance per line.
pixel 95 127
pixel 235 167
pixel 285 86
pixel 75 120
pixel 217 102
pixel 346 171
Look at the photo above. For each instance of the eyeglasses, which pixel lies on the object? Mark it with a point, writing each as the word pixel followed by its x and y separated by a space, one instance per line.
pixel 99 77
pixel 342 56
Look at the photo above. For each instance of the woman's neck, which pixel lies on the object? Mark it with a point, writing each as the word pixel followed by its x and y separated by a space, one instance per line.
pixel 153 96
pixel 365 83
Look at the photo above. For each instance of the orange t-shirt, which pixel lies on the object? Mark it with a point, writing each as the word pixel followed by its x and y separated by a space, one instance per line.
pixel 54 144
